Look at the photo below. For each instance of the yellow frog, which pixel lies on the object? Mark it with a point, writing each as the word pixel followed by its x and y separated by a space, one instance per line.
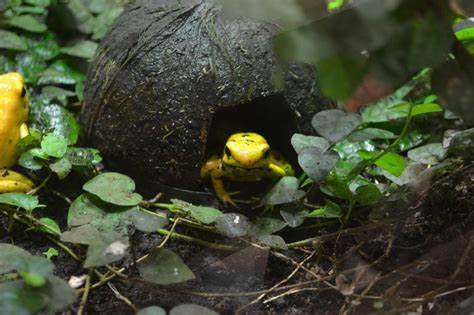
pixel 13 116
pixel 247 157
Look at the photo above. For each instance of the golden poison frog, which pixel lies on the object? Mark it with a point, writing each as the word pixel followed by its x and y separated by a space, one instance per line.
pixel 247 157
pixel 13 116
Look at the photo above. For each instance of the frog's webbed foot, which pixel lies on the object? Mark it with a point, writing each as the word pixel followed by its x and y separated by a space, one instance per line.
pixel 227 200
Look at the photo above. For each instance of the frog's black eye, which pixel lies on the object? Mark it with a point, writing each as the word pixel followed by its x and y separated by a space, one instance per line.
pixel 23 92
pixel 227 151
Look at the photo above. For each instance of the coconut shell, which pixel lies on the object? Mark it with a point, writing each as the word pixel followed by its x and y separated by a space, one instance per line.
pixel 171 78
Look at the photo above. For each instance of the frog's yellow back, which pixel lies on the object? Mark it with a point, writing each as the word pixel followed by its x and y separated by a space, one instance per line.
pixel 13 116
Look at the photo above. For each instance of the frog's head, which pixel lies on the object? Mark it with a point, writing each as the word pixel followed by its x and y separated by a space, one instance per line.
pixel 13 93
pixel 245 150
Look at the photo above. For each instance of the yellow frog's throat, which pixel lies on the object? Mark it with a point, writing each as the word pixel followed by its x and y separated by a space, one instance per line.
pixel 247 157
pixel 14 109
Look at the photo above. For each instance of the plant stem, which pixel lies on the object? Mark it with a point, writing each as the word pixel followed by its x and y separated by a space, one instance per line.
pixel 197 241
pixel 85 294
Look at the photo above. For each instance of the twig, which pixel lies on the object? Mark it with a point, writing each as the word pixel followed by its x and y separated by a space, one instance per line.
pixel 315 241
pixel 38 188
pixel 119 296
pixel 291 292
pixel 259 298
pixel 85 293
pixel 198 241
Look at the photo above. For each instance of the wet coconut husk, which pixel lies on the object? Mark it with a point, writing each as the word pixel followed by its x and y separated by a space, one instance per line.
pixel 172 79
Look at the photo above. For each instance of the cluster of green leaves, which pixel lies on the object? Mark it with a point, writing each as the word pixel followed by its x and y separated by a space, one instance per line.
pixel 100 218
pixel 55 149
pixel 27 284
pixel 360 158
pixel 372 46
pixel 53 71
pixel 23 205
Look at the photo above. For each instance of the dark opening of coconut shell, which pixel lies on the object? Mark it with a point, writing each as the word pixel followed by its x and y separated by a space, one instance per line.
pixel 173 79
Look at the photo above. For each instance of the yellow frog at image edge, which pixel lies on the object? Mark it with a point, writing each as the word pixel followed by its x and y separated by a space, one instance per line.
pixel 14 109
pixel 247 157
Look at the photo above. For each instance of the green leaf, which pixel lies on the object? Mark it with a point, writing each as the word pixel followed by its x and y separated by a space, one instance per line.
pixel 10 40
pixel 233 225
pixel 27 160
pixel 107 248
pixel 9 254
pixel 82 49
pixel 151 310
pixel 466 33
pixel 34 280
pixel 411 140
pixel 317 164
pixel 146 222
pixel 60 121
pixel 100 6
pixel 84 234
pixel 39 3
pixel 60 73
pixel 370 134
pixel 33 269
pixel 61 167
pixel 378 113
pixel 164 267
pixel 336 185
pixel 191 309
pixel 431 153
pixel 273 241
pixel 44 47
pixel 76 15
pixel 88 209
pixel 50 253
pixel 285 191
pixel 330 210
pixel 349 150
pixel 339 76
pixel 54 145
pixel 51 226
pixel 266 226
pixel 293 218
pixel 300 142
pixel 24 201
pixel 83 156
pixel 28 23
pixel 410 174
pixel 114 188
pixel 79 90
pixel 426 109
pixel 335 4
pixel 368 194
pixel 54 92
pixel 104 21
pixel 206 215
pixel 390 161
pixel 334 124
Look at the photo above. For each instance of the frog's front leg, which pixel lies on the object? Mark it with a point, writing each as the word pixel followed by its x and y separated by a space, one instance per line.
pixel 213 169
pixel 219 188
